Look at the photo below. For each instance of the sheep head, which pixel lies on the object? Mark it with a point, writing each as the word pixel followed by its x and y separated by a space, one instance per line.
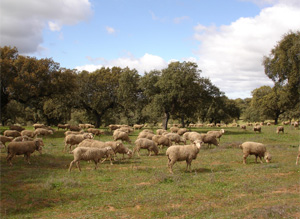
pixel 268 157
pixel 198 143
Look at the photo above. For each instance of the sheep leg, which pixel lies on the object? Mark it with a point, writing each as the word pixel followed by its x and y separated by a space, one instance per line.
pixel 9 158
pixel 170 165
pixel 78 165
pixel 260 159
pixel 149 152
pixel 96 164
pixel 188 165
pixel 27 158
pixel 297 160
pixel 244 159
pixel 71 164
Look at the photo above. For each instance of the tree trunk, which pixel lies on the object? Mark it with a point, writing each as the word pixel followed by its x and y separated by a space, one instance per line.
pixel 97 119
pixel 166 119
pixel 182 122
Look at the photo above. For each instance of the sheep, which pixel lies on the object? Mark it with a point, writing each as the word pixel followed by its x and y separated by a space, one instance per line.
pixel 2 145
pixel 192 136
pixel 23 147
pixel 119 147
pixel 43 132
pixel 23 138
pixel 145 143
pixel 257 129
pixel 209 139
pixel 87 153
pixel 296 124
pixel 137 126
pixel 181 131
pixel 88 126
pixel 94 131
pixel 96 144
pixel 257 149
pixel 61 126
pixel 161 131
pixel 74 128
pixel 16 127
pixel 298 156
pixel 12 133
pixel 243 127
pixel 113 127
pixel 4 139
pixel 73 132
pixel 180 153
pixel 162 140
pixel 120 135
pixel 217 134
pixel 38 125
pixel 76 139
pixel 28 133
pixel 174 129
pixel 280 129
pixel 176 138
pixel 145 134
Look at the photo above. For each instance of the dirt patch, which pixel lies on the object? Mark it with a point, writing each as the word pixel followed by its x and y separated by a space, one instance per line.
pixel 292 190
pixel 143 184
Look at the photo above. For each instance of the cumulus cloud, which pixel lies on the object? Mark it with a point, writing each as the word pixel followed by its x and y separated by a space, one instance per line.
pixel 110 30
pixel 231 55
pixel 143 64
pixel 23 22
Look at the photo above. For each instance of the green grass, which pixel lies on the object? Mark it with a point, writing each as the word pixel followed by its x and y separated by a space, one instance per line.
pixel 219 186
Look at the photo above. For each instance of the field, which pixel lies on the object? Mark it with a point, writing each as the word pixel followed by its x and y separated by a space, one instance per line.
pixel 219 186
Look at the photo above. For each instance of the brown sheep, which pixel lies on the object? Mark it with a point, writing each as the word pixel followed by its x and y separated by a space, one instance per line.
pixel 145 143
pixel 12 133
pixel 257 129
pixel 280 129
pixel 120 135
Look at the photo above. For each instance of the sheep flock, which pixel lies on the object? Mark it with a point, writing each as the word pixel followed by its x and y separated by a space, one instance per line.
pixel 182 144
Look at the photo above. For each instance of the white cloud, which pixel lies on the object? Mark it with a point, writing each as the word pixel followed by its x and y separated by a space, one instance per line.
pixel 110 30
pixel 22 22
pixel 146 63
pixel 179 20
pixel 231 55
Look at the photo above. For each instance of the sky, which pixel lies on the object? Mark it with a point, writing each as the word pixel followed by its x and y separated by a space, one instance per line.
pixel 226 38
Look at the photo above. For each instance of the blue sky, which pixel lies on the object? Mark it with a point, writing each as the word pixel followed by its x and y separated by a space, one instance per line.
pixel 226 38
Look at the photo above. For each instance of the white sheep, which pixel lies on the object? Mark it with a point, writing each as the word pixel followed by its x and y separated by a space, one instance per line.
pixel 96 132
pixel 257 149
pixel 181 131
pixel 120 135
pixel 183 153
pixel 23 147
pixel 209 139
pixel 137 126
pixel 217 134
pixel 119 147
pixel 145 134
pixel 145 143
pixel 73 132
pixel 280 129
pixel 174 137
pixel 161 131
pixel 76 139
pixel 28 133
pixel 89 153
pixel 162 141
pixel 43 132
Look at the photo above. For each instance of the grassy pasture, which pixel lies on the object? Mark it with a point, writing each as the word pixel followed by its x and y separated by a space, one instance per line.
pixel 219 186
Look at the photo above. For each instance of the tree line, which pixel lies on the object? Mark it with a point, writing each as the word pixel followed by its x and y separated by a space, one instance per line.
pixel 39 90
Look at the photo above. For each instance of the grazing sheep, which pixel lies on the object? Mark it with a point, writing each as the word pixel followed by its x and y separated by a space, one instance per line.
pixel 176 138
pixel 161 131
pixel 12 133
pixel 16 127
pixel 74 128
pixel 145 143
pixel 180 153
pixel 76 139
pixel 181 131
pixel 23 138
pixel 43 132
pixel 73 133
pixel 162 141
pixel 174 129
pixel 23 147
pixel 5 139
pixel 119 147
pixel 280 129
pixel 145 134
pixel 137 126
pixel 257 149
pixel 61 126
pixel 120 135
pixel 217 134
pixel 193 136
pixel 94 131
pixel 89 153
pixel 296 124
pixel 257 129
pixel 38 125
pixel 209 139
pixel 243 127
pixel 113 127
pixel 298 156
pixel 28 133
